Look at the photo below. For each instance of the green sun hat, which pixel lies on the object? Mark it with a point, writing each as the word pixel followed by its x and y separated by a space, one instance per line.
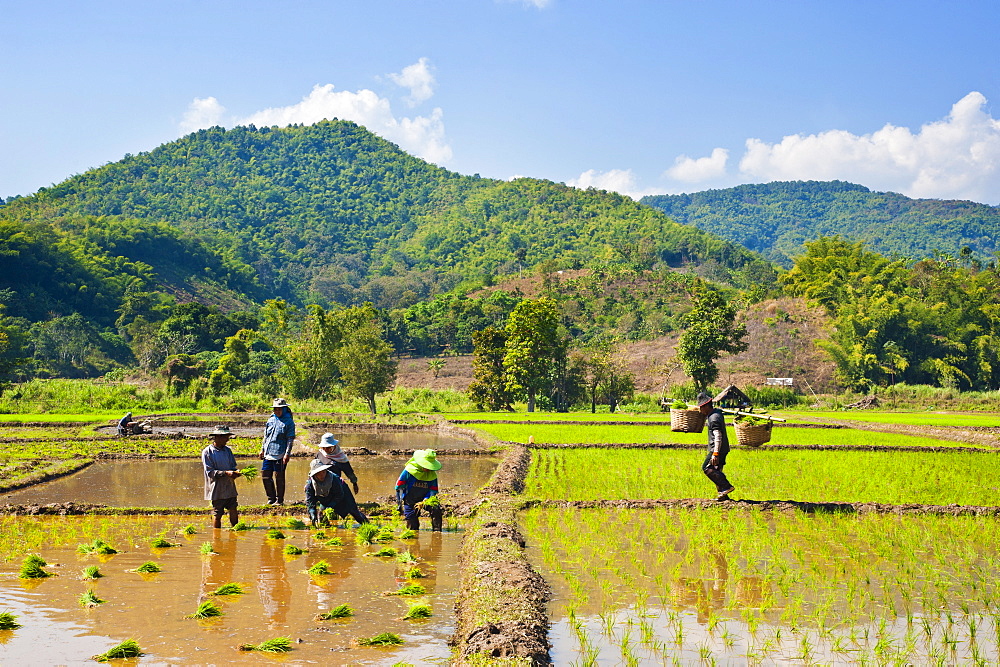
pixel 426 459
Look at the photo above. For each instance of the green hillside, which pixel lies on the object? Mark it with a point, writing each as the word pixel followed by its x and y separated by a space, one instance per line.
pixel 775 219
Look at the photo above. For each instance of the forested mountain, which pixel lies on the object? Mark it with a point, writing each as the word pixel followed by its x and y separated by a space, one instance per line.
pixel 775 219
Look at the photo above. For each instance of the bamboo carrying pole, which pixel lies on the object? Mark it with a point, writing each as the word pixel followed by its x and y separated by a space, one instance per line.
pixel 752 414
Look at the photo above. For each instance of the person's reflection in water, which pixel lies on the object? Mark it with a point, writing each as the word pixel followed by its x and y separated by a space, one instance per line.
pixel 428 553
pixel 705 595
pixel 272 584
pixel 217 570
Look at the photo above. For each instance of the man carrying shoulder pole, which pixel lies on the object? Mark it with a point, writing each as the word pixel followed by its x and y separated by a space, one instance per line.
pixel 718 446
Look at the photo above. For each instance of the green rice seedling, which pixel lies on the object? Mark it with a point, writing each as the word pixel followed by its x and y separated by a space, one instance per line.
pixel 148 567
pixel 276 645
pixel 89 599
pixel 249 473
pixel 381 639
pixel 292 550
pixel 206 609
pixel 320 535
pixel 433 501
pixel 330 514
pixel 161 543
pixel 32 566
pixel 406 557
pixel 296 524
pixel 92 572
pixel 334 542
pixel 98 546
pixel 241 526
pixel 417 610
pixel 188 530
pixel 367 533
pixel 127 649
pixel 385 535
pixel 407 534
pixel 413 573
pixel 384 552
pixel 409 589
pixel 8 621
pixel 320 568
pixel 340 611
pixel 229 589
pixel 206 549
pixel 275 534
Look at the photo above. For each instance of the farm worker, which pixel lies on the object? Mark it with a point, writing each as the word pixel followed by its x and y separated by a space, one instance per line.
pixel 125 424
pixel 325 490
pixel 220 476
pixel 718 446
pixel 275 450
pixel 417 482
pixel 331 453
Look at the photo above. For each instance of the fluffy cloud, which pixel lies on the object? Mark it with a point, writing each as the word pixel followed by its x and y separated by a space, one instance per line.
pixel 692 170
pixel 954 158
pixel 423 136
pixel 622 181
pixel 419 79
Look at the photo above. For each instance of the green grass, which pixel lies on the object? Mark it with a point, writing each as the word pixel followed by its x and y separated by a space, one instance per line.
pixel 95 417
pixel 561 416
pixel 909 418
pixel 966 478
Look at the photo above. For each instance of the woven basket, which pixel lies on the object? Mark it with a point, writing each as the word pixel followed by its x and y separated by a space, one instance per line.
pixel 752 435
pixel 686 421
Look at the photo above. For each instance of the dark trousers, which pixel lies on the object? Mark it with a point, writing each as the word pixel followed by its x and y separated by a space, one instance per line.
pixel 715 473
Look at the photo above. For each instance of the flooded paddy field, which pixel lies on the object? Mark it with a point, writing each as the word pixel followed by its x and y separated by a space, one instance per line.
pixel 932 477
pixel 665 586
pixel 180 482
pixel 280 598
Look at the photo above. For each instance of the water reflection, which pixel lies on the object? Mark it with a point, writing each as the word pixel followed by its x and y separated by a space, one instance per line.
pixel 272 583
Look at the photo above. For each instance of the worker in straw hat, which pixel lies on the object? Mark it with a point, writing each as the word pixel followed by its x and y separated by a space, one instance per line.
pixel 718 446
pixel 418 482
pixel 326 491
pixel 220 476
pixel 276 449
pixel 329 451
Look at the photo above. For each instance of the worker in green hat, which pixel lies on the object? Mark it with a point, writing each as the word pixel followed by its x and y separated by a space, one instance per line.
pixel 418 482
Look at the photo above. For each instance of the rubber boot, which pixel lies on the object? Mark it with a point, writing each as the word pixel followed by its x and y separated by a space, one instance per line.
pixel 269 490
pixel 437 518
pixel 279 484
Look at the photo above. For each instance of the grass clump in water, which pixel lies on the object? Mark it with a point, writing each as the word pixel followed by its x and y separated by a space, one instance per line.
pixel 188 530
pixel 407 534
pixel 340 611
pixel 367 533
pixel 229 589
pixel 296 524
pixel 384 552
pixel 161 543
pixel 207 609
pixel 319 568
pixel 92 572
pixel 385 535
pixel 292 550
pixel 207 550
pixel 381 639
pixel 334 542
pixel 32 566
pixel 127 649
pixel 98 546
pixel 89 599
pixel 8 621
pixel 276 645
pixel 406 557
pixel 409 589
pixel 242 525
pixel 275 534
pixel 148 567
pixel 418 610
pixel 414 573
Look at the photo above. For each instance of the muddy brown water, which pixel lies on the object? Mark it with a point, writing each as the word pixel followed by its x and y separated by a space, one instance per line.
pixel 281 599
pixel 180 482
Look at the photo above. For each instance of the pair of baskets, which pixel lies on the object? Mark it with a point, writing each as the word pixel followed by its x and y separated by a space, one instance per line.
pixel 693 421
pixel 752 435
pixel 686 421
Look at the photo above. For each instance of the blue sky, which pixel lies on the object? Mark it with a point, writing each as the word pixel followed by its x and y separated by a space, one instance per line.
pixel 639 97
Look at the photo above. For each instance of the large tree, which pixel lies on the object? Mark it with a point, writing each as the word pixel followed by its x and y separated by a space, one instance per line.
pixel 489 384
pixel 710 328
pixel 367 367
pixel 535 346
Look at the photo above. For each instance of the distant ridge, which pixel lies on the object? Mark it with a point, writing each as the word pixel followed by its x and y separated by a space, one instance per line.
pixel 775 219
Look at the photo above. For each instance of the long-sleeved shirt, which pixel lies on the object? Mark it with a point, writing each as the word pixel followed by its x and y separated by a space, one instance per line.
pixel 411 490
pixel 339 467
pixel 279 434
pixel 217 461
pixel 718 440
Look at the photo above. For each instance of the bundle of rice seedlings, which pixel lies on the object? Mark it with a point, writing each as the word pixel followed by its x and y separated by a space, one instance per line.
pixel 407 534
pixel 241 525
pixel 89 599
pixel 385 535
pixel 382 639
pixel 296 524
pixel 409 589
pixel 127 649
pixel 206 549
pixel 148 567
pixel 228 589
pixel 249 473
pixel 413 573
pixel 330 514
pixel 418 610
pixel 276 645
pixel 161 543
pixel 433 501
pixel 32 566
pixel 292 550
pixel 367 533
pixel 188 530
pixel 98 546
pixel 340 611
pixel 406 557
pixel 319 535
pixel 319 568
pixel 387 552
pixel 275 534
pixel 92 572
pixel 8 621
pixel 335 542
pixel 206 609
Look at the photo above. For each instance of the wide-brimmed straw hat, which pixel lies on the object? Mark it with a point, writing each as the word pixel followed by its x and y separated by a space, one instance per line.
pixel 279 403
pixel 315 466
pixel 703 398
pixel 327 441
pixel 426 459
pixel 222 429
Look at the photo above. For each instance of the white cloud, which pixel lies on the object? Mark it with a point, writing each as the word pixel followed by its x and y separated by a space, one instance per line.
pixel 419 79
pixel 621 181
pixel 202 113
pixel 692 170
pixel 954 158
pixel 537 4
